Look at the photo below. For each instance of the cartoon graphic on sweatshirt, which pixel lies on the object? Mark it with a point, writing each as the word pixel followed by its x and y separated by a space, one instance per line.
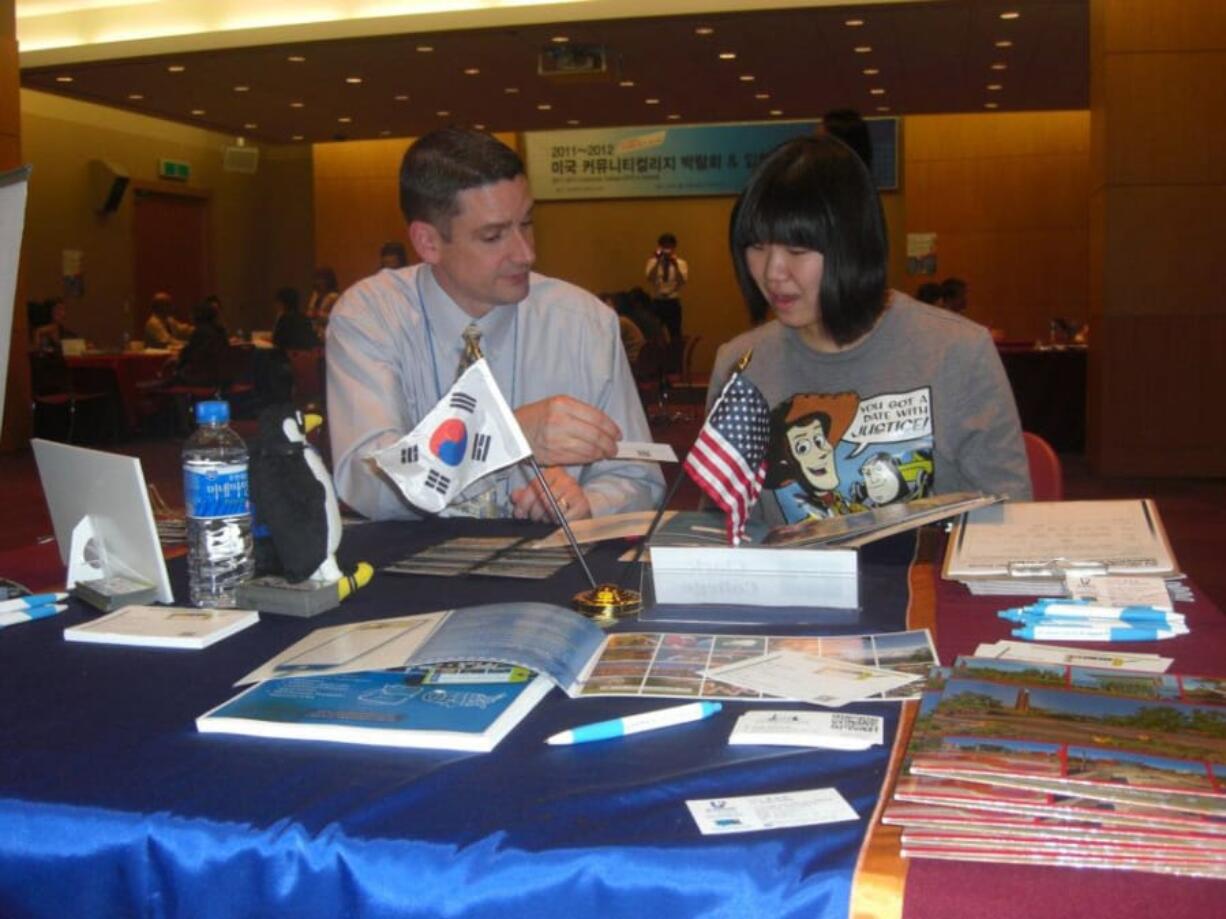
pixel 817 462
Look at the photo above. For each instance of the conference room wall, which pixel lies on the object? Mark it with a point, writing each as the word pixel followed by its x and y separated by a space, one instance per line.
pixel 14 413
pixel 260 226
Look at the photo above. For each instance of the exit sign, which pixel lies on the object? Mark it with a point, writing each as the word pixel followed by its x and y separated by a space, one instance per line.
pixel 174 170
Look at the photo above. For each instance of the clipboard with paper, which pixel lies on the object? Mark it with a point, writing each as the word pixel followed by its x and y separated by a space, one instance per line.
pixel 1036 544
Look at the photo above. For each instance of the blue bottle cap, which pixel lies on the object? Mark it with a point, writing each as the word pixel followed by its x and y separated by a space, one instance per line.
pixel 212 412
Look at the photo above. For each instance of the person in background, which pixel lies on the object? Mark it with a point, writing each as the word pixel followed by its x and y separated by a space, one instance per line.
pixel 848 126
pixel 397 338
pixel 205 359
pixel 47 337
pixel 293 331
pixel 929 292
pixel 953 295
pixel 324 294
pixel 849 368
pixel 666 274
pixel 632 336
pixel 393 255
pixel 162 329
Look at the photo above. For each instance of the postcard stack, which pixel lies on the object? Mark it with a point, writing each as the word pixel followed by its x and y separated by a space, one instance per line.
pixel 1030 763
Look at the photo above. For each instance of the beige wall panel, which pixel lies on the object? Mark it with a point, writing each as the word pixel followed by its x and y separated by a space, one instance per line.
pixel 1164 409
pixel 1162 25
pixel 1164 250
pixel 942 137
pixel 1172 129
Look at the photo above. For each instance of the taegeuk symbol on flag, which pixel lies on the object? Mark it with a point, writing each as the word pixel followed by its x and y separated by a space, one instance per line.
pixel 469 434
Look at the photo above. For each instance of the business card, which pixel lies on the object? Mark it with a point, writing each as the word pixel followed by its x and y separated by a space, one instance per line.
pixel 647 452
pixel 749 813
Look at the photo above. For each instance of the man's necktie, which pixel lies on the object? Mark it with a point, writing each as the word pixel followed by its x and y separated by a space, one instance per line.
pixel 472 348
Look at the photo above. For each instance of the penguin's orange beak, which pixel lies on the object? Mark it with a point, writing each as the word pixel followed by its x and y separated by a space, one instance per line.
pixel 310 421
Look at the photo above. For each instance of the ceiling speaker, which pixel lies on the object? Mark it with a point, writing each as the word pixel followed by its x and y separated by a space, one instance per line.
pixel 240 159
pixel 107 183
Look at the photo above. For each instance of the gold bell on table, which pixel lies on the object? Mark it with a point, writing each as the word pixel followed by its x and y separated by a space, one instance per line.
pixel 607 603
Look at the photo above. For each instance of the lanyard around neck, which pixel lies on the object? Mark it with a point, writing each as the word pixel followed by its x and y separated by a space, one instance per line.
pixel 438 383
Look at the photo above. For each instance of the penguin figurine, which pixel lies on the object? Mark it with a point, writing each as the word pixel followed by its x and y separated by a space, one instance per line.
pixel 295 501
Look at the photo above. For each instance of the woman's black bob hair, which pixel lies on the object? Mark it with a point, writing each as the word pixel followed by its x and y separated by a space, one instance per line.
pixel 815 193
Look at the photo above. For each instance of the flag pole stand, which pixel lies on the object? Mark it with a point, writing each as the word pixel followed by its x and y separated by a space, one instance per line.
pixel 604 604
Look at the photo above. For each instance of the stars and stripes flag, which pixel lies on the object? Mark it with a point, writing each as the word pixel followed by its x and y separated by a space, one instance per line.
pixel 470 433
pixel 728 460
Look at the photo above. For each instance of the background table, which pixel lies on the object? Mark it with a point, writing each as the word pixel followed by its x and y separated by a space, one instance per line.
pixel 120 371
pixel 1049 385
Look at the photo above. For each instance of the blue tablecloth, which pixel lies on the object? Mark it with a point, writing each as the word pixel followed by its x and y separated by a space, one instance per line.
pixel 111 804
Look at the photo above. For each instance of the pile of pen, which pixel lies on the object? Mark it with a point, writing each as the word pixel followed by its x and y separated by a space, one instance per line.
pixel 1079 620
pixel 35 606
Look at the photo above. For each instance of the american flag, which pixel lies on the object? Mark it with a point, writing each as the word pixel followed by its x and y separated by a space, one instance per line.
pixel 728 460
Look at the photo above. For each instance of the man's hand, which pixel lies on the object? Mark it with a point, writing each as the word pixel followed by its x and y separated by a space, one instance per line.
pixel 566 432
pixel 531 502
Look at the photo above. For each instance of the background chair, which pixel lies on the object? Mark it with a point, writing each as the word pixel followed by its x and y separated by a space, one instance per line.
pixel 307 366
pixel 1046 473
pixel 57 401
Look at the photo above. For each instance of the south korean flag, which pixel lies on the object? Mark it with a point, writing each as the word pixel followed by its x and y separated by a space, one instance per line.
pixel 469 434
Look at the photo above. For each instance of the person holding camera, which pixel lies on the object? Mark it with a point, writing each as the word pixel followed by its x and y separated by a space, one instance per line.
pixel 666 275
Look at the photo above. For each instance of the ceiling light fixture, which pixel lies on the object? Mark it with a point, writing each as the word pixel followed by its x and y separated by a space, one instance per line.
pixel 175 68
pixel 871 71
pixel 297 137
pixel 471 71
pixel 761 95
pixel 511 90
pixel 853 23
pixel 704 30
pixel 626 83
pixel 296 59
pixel 1000 65
pixel 560 39
pixel 385 133
pixel 425 49
pixel 746 78
pixel 402 97
pixel 674 117
pixel 883 108
pixel 198 111
pixel 863 49
pixel 651 101
pixel 354 80
pixel 241 88
pixel 344 119
pixel 135 97
pixel 543 106
pixel 990 105
pixel 63 79
pixel 995 87
pixel 727 55
pixel 443 113
pixel 1011 14
pixel 297 104
pixel 572 121
pixel 776 112
pixel 876 91
pixel 250 126
pixel 1004 43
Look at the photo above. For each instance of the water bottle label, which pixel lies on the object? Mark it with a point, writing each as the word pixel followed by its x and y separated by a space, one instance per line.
pixel 215 490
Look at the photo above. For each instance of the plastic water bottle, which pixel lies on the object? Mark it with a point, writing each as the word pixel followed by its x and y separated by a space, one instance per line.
pixel 219 545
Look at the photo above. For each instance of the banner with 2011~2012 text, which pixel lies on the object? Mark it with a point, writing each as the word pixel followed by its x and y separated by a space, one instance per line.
pixel 656 161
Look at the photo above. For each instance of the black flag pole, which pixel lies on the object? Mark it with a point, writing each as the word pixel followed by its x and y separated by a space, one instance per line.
pixel 739 368
pixel 561 518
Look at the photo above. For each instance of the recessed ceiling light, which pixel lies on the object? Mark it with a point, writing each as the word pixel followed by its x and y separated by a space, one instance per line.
pixel 990 105
pixel 876 91
pixel 250 125
pixel 135 97
pixel 543 106
pixel 761 95
pixel 776 112
pixel 704 30
pixel 425 49
pixel 883 108
pixel 1004 43
pixel 197 111
pixel 560 39
pixel 995 87
pixel 651 101
pixel 443 113
pixel 626 83
pixel 344 119
pixel 1011 14
pixel 863 49
pixel 572 121
pixel 63 79
pixel 478 127
pixel 746 78
pixel 241 88
pixel 727 55
pixel 471 71
pixel 674 117
pixel 870 71
pixel 385 133
pixel 296 104
pixel 297 137
pixel 853 23
pixel 175 68
pixel 353 80
pixel 401 97
pixel 510 90
pixel 296 59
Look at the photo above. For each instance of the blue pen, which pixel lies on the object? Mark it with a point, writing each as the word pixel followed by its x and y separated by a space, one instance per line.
pixel 12 617
pixel 633 724
pixel 1093 633
pixel 22 603
pixel 1143 618
pixel 1134 613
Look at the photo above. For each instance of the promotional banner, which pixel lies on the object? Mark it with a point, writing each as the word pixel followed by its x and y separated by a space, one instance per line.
pixel 657 161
